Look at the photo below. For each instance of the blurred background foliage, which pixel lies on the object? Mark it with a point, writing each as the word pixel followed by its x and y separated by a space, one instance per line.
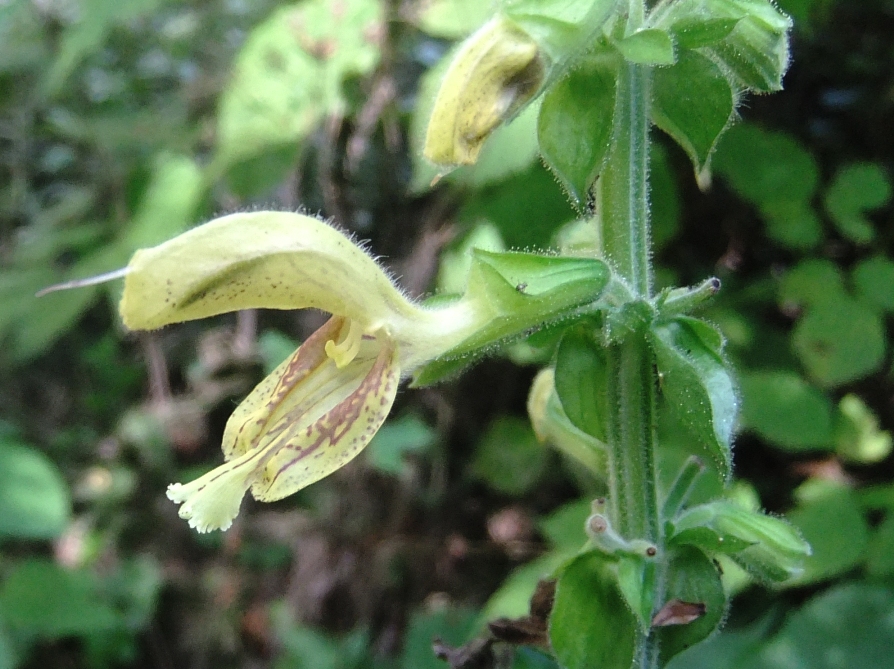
pixel 124 122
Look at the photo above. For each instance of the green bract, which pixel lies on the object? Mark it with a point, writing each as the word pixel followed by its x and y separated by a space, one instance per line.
pixel 323 404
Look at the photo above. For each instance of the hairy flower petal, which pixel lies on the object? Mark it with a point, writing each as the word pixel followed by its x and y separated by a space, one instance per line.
pixel 268 259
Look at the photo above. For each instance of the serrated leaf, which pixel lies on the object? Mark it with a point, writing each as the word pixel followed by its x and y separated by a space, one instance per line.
pixel 693 103
pixel 575 124
pixel 648 47
pixel 590 625
pixel 697 382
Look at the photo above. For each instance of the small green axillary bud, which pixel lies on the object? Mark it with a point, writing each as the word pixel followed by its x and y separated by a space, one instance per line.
pixel 606 539
pixel 775 552
pixel 496 71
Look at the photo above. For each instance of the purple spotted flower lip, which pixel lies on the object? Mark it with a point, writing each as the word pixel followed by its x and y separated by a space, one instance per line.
pixel 320 408
pixel 311 416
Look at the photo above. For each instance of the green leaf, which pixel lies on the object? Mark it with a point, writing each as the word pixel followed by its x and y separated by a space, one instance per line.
pixel 575 124
pixel 509 457
pixel 697 382
pixel 692 577
pixel 693 103
pixel 831 521
pixel 34 498
pixel 856 189
pixel 168 205
pixel 41 598
pixel 850 625
pixel 839 340
pixel 786 410
pixel 590 625
pixel 874 281
pixel 648 47
pixel 580 380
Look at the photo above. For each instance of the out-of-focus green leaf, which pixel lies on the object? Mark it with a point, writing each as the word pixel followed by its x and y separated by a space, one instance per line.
pixel 509 457
pixel 453 19
pixel 88 33
pixel 290 72
pixel 397 438
pixel 811 282
pixel 575 124
pixel 765 166
pixel 848 626
pixel 880 553
pixel 855 190
pixel 34 498
pixel 776 174
pixel 41 598
pixel 786 410
pixel 832 523
pixel 564 527
pixel 839 340
pixel 874 281
pixel 857 434
pixel 532 196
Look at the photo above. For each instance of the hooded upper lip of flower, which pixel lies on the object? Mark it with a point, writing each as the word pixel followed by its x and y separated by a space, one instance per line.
pixel 321 406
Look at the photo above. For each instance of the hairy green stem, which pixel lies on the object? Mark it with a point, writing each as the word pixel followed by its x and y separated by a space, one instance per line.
pixel 622 201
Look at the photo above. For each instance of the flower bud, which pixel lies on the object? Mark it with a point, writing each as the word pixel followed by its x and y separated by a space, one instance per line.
pixel 775 550
pixel 496 71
